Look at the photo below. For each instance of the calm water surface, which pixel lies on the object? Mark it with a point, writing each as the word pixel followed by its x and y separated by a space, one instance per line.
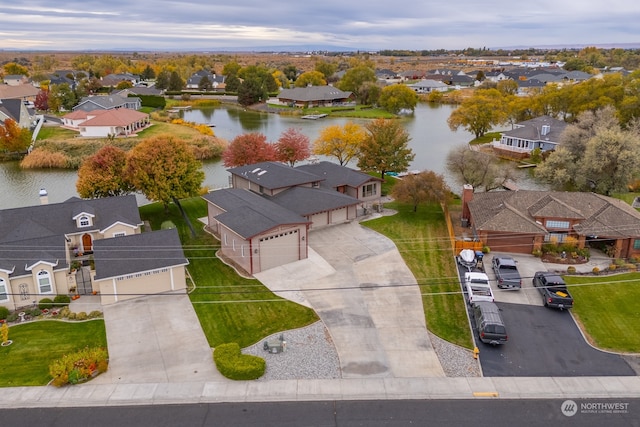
pixel 431 140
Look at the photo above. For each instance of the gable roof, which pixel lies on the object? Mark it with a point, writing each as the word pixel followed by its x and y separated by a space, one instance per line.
pixel 250 214
pixel 11 109
pixel 119 117
pixel 107 102
pixel 314 93
pixel 273 175
pixel 308 201
pixel 532 130
pixel 517 212
pixel 138 253
pixel 22 91
pixel 334 176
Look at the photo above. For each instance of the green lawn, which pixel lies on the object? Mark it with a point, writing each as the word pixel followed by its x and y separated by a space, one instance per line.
pixel 607 307
pixel 230 308
pixel 37 344
pixel 423 241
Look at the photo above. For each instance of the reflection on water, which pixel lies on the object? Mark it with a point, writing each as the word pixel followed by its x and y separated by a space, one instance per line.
pixel 431 140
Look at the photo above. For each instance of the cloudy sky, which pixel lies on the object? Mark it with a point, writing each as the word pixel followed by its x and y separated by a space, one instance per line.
pixel 184 25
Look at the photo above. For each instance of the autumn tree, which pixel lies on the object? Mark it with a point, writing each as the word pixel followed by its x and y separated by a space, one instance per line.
pixel 164 169
pixel 385 148
pixel 124 84
pixel 292 147
pixel 395 98
pixel 327 68
pixel 247 149
pixel 12 68
pixel 148 73
pixel 42 100
pixel 369 93
pixel 103 174
pixel 480 170
pixel 13 138
pixel 61 97
pixel 354 78
pixel 310 78
pixel 479 113
pixel 424 187
pixel 341 142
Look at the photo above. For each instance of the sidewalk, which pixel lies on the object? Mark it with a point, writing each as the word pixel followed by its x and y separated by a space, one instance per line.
pixel 90 394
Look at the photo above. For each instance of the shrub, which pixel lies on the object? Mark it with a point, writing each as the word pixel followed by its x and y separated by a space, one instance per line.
pixel 79 366
pixel 45 303
pixel 94 314
pixel 612 267
pixel 619 262
pixel 631 267
pixel 235 365
pixel 571 269
pixel 82 315
pixel 71 315
pixel 35 312
pixel 4 313
pixel 64 312
pixel 12 317
pixel 595 270
pixel 486 249
pixel 61 300
pixel 537 253
pixel 40 159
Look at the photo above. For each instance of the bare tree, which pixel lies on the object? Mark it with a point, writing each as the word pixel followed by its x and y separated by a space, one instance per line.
pixel 480 170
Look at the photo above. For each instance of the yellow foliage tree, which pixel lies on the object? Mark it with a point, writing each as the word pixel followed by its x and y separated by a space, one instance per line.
pixel 341 142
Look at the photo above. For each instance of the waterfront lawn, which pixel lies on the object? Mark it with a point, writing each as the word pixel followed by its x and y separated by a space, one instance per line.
pixel 230 308
pixel 37 344
pixel 607 309
pixel 423 241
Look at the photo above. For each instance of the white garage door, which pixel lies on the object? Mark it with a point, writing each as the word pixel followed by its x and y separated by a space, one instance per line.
pixel 319 219
pixel 338 216
pixel 279 249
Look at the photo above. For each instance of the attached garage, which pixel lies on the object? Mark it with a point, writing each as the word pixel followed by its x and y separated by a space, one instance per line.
pixel 339 215
pixel 319 219
pixel 279 249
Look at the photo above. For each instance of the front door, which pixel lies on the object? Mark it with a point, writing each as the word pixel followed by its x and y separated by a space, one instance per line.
pixel 86 242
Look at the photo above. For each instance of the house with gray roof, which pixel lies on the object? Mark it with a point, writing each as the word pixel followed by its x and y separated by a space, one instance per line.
pixel 16 110
pixel 217 81
pixel 50 249
pixel 263 221
pixel 108 102
pixel 428 86
pixel 315 96
pixel 522 221
pixel 541 132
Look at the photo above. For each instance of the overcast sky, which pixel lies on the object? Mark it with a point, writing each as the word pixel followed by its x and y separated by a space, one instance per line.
pixel 359 24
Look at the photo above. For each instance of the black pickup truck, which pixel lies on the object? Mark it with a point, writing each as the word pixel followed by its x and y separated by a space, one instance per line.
pixel 553 289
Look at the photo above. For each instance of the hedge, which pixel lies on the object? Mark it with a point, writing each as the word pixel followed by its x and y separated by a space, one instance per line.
pixel 45 303
pixel 4 312
pixel 61 300
pixel 153 101
pixel 237 366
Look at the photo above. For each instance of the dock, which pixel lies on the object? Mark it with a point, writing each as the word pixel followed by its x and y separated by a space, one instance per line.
pixel 314 116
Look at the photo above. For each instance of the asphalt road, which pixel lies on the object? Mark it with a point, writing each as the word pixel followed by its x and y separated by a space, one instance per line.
pixel 457 412
pixel 545 342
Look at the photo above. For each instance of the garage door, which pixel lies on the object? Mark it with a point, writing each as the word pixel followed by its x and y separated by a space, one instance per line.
pixel 319 219
pixel 519 243
pixel 338 216
pixel 279 249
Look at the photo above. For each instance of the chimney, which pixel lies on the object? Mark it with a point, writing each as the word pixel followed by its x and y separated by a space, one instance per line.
pixel 44 197
pixel 467 195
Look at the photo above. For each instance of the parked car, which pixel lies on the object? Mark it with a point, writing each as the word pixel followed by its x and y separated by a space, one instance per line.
pixel 506 271
pixel 553 289
pixel 489 323
pixel 477 287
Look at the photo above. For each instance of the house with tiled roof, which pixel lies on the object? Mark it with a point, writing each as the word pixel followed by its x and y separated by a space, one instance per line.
pixel 41 246
pixel 23 92
pixel 104 123
pixel 263 221
pixel 315 96
pixel 108 102
pixel 522 221
pixel 541 132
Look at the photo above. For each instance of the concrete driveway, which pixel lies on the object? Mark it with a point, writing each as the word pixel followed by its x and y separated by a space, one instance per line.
pixel 363 291
pixel 156 339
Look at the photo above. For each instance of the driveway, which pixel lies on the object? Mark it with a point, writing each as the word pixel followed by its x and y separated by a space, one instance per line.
pixel 156 339
pixel 357 282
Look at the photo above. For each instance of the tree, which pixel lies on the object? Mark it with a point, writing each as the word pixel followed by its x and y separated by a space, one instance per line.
pixel 103 174
pixel 292 147
pixel 355 77
pixel 247 149
pixel 478 169
pixel 148 73
pixel 176 84
pixel 369 93
pixel 251 91
pixel 13 138
pixel 290 72
pixel 479 113
pixel 124 84
pixel 310 78
pixel 162 81
pixel 398 97
pixel 341 142
pixel 327 69
pixel 164 169
pixel 42 100
pixel 232 83
pixel 61 97
pixel 386 148
pixel 425 187
pixel 205 84
pixel 12 68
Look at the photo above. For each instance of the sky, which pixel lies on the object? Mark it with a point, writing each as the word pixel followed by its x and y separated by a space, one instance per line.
pixel 207 25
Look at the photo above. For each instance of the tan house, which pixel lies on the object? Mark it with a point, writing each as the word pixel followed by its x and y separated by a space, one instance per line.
pixel 58 248
pixel 522 221
pixel 315 96
pixel 103 123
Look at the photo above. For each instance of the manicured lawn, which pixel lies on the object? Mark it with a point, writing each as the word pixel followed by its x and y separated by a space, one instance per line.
pixel 423 241
pixel 608 309
pixel 230 308
pixel 37 344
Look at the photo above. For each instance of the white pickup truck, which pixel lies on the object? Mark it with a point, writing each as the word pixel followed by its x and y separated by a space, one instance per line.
pixel 477 286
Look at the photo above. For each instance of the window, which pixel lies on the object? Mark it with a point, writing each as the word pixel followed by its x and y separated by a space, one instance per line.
pixel 558 224
pixel 84 221
pixel 119 234
pixel 3 291
pixel 44 282
pixel 369 190
pixel 555 237
pixel 636 244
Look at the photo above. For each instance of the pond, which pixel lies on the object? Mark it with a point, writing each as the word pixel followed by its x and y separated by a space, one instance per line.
pixel 431 140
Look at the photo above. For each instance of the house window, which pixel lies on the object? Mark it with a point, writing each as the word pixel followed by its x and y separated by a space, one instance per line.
pixel 636 244
pixel 119 234
pixel 44 282
pixel 242 251
pixel 4 296
pixel 369 190
pixel 558 224
pixel 225 240
pixel 84 221
pixel 555 237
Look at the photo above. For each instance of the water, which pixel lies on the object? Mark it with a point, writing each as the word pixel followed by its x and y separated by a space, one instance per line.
pixel 431 140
